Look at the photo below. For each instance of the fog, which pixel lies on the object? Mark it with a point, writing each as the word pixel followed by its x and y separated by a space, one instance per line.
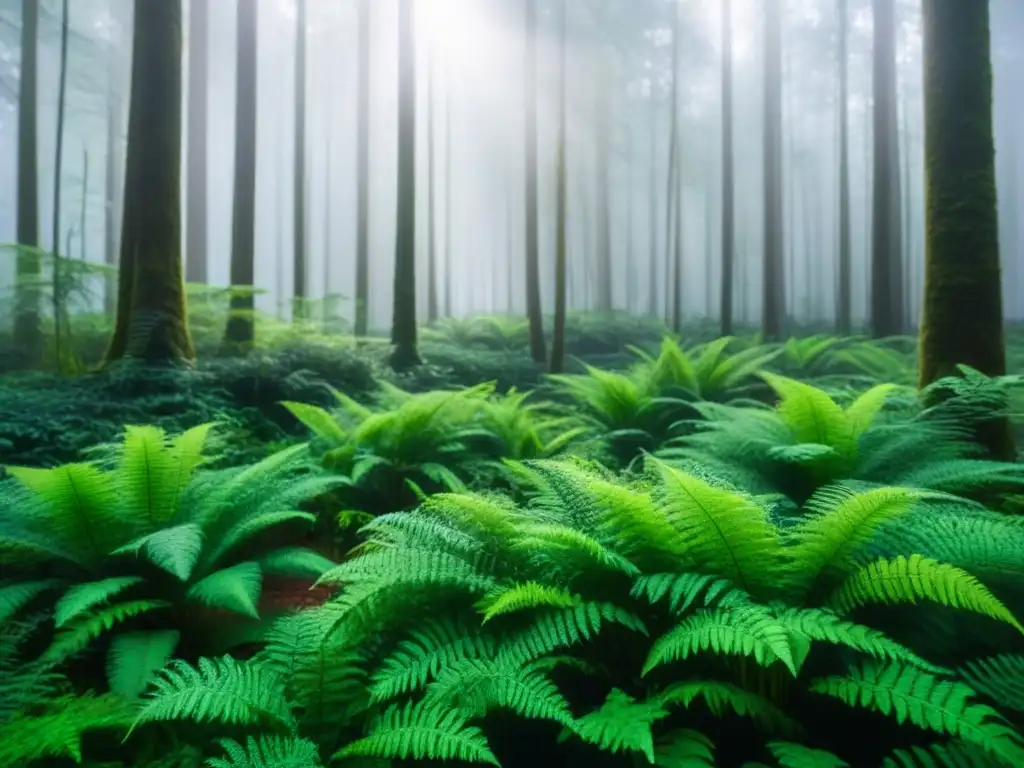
pixel 471 88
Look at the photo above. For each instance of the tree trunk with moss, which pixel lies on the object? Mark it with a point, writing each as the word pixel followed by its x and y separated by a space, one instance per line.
pixel 239 332
pixel 886 239
pixel 361 324
pixel 534 308
pixel 198 80
pixel 773 307
pixel 561 212
pixel 299 294
pixel 844 303
pixel 403 326
pixel 28 335
pixel 962 321
pixel 151 314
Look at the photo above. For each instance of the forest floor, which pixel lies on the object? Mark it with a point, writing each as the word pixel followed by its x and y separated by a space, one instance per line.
pixel 688 551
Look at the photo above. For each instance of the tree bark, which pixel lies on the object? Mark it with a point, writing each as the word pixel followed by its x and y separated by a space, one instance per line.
pixel 561 211
pixel 963 318
pixel 403 327
pixel 28 333
pixel 362 323
pixel 844 301
pixel 886 241
pixel 152 316
pixel 728 173
pixel 299 254
pixel 432 308
pixel 198 77
pixel 773 305
pixel 239 332
pixel 534 308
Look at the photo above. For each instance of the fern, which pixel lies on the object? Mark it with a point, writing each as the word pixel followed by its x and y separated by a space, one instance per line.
pixel 421 733
pixel 1000 678
pixel 58 731
pixel 622 724
pixel 82 597
pixel 134 658
pixel 218 690
pixel 792 755
pixel 267 752
pixel 941 705
pixel 77 636
pixel 525 596
pixel 904 579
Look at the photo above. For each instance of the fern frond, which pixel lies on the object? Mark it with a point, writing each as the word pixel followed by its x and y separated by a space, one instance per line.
pixel 750 631
pixel 792 755
pixel 175 550
pixel 559 543
pixel 909 579
pixel 438 644
pixel 622 724
pixel 83 597
pixel 267 752
pixel 421 733
pixel 685 748
pixel 952 754
pixel 15 596
pixel 940 705
pixel 235 589
pixel 58 731
pixel 77 635
pixel 475 687
pixel 722 698
pixel 1001 678
pixel 525 596
pixel 562 628
pixel 682 589
pixel 134 658
pixel 217 691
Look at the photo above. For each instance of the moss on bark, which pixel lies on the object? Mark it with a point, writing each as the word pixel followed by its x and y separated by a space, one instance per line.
pixel 151 313
pixel 963 314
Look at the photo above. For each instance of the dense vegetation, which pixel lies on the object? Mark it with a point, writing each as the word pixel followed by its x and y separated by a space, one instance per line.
pixel 685 553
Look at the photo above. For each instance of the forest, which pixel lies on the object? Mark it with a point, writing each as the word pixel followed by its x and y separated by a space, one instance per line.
pixel 594 382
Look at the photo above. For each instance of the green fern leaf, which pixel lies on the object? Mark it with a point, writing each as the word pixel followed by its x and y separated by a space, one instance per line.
pixel 1001 678
pixel 525 596
pixel 722 698
pixel 934 703
pixel 792 755
pixel 622 724
pixel 135 657
pixel 952 754
pixel 58 731
pixel 477 686
pixel 319 422
pixel 562 542
pixel 562 628
pixel 14 597
pixel 175 550
pixel 83 597
pixel 907 580
pixel 840 525
pixel 685 749
pixel 296 562
pixel 682 589
pixel 751 630
pixel 267 752
pixel 77 636
pixel 436 645
pixel 235 589
pixel 421 733
pixel 813 416
pixel 217 691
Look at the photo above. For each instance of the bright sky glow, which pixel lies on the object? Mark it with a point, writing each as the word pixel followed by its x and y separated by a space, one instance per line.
pixel 463 34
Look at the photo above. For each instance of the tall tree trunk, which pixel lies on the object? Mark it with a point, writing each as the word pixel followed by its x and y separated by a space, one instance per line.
pixel 886 262
pixel 602 163
pixel 198 78
pixel 403 328
pixel 152 320
pixel 432 308
pixel 239 332
pixel 448 239
pixel 963 312
pixel 561 211
pixel 58 288
pixel 773 305
pixel 728 173
pixel 844 303
pixel 673 250
pixel 300 255
pixel 630 190
pixel 534 308
pixel 362 318
pixel 84 208
pixel 28 333
pixel 652 258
